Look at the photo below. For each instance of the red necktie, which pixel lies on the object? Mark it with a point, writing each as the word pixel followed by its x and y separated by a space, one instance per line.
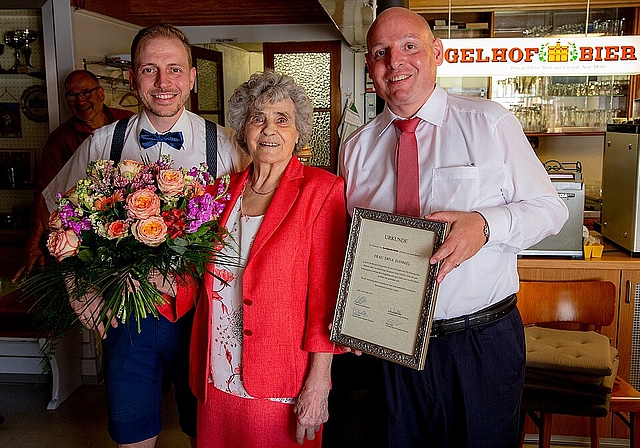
pixel 407 179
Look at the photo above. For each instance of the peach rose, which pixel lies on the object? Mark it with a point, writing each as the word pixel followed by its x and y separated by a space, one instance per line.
pixel 129 168
pixel 194 189
pixel 117 229
pixel 171 182
pixel 150 231
pixel 63 244
pixel 142 204
pixel 55 222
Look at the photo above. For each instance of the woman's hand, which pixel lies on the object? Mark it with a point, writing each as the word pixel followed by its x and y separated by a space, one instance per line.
pixel 88 309
pixel 165 285
pixel 312 405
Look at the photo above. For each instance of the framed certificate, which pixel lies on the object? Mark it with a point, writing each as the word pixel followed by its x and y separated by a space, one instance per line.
pixel 388 288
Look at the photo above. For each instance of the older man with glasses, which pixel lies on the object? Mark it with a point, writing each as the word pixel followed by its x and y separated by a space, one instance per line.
pixel 85 98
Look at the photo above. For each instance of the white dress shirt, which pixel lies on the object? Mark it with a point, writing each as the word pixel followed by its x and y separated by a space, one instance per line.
pixel 473 156
pixel 193 151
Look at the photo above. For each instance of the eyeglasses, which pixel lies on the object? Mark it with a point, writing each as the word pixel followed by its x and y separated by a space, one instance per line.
pixel 84 94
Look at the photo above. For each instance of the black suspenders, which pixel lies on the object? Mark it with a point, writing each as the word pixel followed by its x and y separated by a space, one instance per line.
pixel 117 143
pixel 212 147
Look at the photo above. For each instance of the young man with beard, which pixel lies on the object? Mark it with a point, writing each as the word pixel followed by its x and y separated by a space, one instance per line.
pixel 135 363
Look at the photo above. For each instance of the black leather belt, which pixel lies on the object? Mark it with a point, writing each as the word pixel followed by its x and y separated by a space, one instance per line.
pixel 482 317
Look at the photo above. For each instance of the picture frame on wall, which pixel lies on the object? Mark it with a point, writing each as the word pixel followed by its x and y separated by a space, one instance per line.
pixel 10 122
pixel 17 167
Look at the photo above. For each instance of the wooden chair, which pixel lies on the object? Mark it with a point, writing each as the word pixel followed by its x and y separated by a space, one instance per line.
pixel 580 305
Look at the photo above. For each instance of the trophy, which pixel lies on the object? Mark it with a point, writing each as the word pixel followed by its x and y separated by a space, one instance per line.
pixel 14 40
pixel 27 36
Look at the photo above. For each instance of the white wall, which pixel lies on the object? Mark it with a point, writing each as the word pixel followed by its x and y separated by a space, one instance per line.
pixel 96 36
pixel 352 76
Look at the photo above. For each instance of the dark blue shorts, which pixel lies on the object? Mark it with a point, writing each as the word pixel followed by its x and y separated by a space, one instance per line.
pixel 136 365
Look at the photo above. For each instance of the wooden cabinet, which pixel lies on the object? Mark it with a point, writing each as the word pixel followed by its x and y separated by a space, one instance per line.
pixel 624 272
pixel 628 343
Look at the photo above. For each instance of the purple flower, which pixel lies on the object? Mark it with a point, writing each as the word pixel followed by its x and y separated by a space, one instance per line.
pixel 71 219
pixel 199 211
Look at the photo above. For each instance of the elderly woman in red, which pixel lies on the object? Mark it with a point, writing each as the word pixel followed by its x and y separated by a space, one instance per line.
pixel 260 349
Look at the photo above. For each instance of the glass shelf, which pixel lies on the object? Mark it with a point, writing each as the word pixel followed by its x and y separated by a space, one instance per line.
pixel 563 105
pixel 122 66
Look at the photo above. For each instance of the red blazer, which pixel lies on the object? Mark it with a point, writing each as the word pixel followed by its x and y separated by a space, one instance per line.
pixel 290 284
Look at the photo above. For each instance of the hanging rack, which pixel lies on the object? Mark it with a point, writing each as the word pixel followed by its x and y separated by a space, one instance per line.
pixel 6 92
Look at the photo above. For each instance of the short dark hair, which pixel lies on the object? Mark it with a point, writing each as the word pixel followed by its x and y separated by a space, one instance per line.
pixel 155 31
pixel 79 74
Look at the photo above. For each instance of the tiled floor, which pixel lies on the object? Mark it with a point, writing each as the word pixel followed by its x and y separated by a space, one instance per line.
pixel 80 422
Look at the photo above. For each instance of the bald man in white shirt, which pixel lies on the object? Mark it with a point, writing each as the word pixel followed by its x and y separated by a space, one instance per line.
pixel 477 172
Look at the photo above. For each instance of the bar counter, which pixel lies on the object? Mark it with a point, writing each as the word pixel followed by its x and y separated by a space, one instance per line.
pixel 612 258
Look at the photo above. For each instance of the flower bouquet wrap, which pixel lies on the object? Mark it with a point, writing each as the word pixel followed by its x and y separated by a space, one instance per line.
pixel 117 227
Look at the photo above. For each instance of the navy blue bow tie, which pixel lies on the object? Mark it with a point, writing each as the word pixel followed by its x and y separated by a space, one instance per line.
pixel 148 139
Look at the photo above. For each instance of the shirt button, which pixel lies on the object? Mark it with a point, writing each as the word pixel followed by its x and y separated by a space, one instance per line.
pixel 248 333
pixel 248 302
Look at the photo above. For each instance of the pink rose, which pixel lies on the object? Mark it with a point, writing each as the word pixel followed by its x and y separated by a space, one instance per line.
pixel 55 222
pixel 150 231
pixel 117 229
pixel 63 244
pixel 171 182
pixel 142 204
pixel 129 168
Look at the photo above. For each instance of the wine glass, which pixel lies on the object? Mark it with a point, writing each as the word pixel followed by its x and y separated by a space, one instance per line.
pixel 13 39
pixel 27 36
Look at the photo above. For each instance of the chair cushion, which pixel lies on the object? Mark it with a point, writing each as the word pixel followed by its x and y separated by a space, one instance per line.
pixel 585 385
pixel 559 395
pixel 581 352
pixel 562 403
pixel 577 380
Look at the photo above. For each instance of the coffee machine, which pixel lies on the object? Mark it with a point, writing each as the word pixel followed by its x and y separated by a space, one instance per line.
pixel 621 185
pixel 567 179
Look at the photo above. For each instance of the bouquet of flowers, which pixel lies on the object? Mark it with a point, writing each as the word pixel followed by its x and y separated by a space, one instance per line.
pixel 121 224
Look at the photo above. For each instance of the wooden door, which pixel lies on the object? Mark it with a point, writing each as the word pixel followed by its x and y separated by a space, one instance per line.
pixel 207 96
pixel 316 66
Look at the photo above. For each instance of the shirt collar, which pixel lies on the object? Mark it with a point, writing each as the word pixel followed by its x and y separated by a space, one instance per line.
pixel 183 125
pixel 432 111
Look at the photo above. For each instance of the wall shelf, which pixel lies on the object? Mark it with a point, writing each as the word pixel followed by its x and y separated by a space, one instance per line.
pixel 38 75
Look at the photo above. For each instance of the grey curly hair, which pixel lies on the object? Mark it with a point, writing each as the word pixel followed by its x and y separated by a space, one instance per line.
pixel 270 87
